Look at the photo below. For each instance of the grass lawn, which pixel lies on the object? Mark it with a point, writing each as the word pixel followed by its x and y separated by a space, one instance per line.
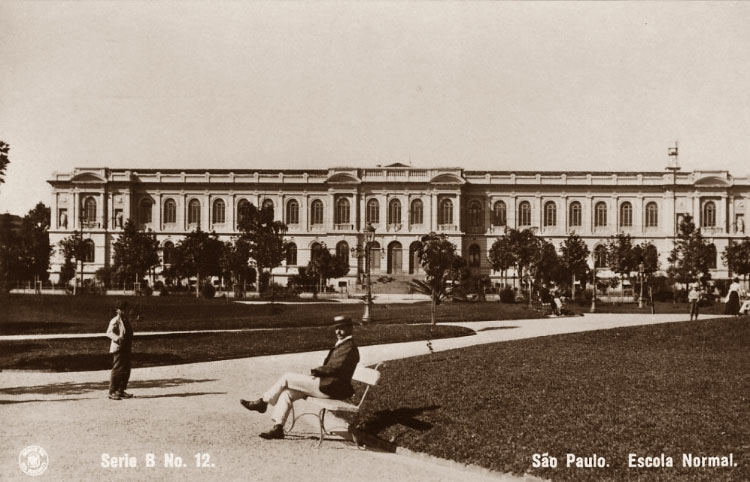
pixel 81 354
pixel 30 314
pixel 661 389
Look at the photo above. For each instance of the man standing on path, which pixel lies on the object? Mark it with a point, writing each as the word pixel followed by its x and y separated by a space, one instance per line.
pixel 694 297
pixel 331 380
pixel 120 331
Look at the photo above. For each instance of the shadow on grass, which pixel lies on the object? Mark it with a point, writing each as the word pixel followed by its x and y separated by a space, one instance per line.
pixel 490 328
pixel 405 416
pixel 72 388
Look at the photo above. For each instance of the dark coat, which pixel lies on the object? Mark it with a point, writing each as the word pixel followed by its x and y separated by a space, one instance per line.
pixel 336 372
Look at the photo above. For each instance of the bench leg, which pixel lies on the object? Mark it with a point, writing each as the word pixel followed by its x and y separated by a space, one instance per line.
pixel 321 418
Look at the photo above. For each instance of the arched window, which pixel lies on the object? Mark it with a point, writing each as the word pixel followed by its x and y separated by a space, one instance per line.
pixel 170 211
pixel 417 212
pixel 316 212
pixel 550 213
pixel 168 253
pixel 373 211
pixel 315 250
pixel 292 212
pixel 600 214
pixel 375 255
pixel 291 254
pixel 524 214
pixel 243 211
pixel 342 251
pixel 89 211
pixel 712 256
pixel 145 210
pixel 600 257
pixel 268 204
pixel 626 215
pixel 342 211
pixel 194 212
pixel 394 212
pixel 708 220
pixel 499 212
pixel 219 212
pixel 652 215
pixel 474 256
pixel 575 217
pixel 88 251
pixel 445 214
pixel 475 214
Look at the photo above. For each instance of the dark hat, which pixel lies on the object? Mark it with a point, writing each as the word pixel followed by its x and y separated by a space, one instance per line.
pixel 121 305
pixel 342 322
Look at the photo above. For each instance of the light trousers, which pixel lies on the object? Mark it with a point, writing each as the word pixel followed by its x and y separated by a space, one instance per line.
pixel 288 389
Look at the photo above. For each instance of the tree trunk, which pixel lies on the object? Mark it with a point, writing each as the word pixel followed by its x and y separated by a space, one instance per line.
pixel 198 285
pixel 432 310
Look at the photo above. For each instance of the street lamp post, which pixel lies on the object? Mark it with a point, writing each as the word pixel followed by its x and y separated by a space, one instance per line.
pixel 593 289
pixel 369 232
pixel 641 272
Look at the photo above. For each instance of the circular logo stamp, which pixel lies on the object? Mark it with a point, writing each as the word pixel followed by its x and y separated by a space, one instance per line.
pixel 33 460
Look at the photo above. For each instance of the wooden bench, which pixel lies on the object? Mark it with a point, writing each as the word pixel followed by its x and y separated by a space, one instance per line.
pixel 368 376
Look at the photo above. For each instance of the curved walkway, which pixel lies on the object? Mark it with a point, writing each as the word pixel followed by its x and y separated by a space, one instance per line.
pixel 191 411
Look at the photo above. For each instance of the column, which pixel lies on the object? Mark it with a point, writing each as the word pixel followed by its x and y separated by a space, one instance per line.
pixel 433 211
pixel 76 210
pixel 731 223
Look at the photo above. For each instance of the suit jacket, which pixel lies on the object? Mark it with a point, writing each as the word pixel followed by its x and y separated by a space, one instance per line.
pixel 121 334
pixel 336 372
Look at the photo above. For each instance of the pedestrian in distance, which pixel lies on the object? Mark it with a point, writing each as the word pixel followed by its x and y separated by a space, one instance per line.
pixel 333 379
pixel 120 331
pixel 694 296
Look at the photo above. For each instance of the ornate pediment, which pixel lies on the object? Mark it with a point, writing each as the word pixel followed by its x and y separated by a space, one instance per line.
pixel 88 177
pixel 711 181
pixel 447 178
pixel 343 178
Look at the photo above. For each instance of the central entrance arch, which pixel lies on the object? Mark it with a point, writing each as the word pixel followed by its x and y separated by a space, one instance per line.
pixel 395 258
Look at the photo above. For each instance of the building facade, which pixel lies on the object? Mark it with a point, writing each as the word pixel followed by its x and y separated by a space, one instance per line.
pixel 331 207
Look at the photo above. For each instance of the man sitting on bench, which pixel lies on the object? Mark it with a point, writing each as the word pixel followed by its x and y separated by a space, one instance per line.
pixel 331 380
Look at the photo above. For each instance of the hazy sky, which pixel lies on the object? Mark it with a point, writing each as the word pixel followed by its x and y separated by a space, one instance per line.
pixel 512 86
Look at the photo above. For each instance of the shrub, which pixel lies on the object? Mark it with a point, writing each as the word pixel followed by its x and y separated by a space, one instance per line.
pixel 208 290
pixel 163 291
pixel 507 295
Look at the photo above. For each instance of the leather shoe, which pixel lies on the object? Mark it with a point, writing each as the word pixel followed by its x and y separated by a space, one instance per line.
pixel 258 405
pixel 114 396
pixel 276 433
pixel 125 395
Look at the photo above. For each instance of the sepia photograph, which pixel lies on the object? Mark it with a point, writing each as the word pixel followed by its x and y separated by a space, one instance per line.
pixel 375 241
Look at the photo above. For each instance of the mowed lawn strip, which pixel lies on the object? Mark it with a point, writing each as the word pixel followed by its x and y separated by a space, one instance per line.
pixel 30 314
pixel 82 354
pixel 671 389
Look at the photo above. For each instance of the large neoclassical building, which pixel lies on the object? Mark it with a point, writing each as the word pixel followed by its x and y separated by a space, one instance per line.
pixel 403 203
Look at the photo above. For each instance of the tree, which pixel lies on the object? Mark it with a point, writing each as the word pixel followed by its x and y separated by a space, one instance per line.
pixel 525 248
pixel 265 238
pixel 235 261
pixel 74 247
pixel 199 254
pixel 574 255
pixel 545 267
pixel 324 266
pixel 34 251
pixel 501 255
pixel 4 160
pixel 621 257
pixel 438 258
pixel 9 243
pixel 135 253
pixel 691 256
pixel 736 256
